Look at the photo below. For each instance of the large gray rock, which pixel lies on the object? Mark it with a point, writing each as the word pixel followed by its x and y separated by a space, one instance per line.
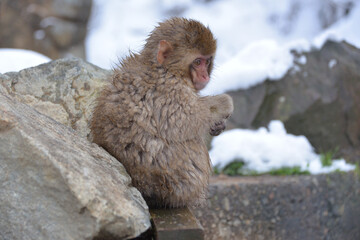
pixel 56 184
pixel 319 99
pixel 64 89
pixel 296 208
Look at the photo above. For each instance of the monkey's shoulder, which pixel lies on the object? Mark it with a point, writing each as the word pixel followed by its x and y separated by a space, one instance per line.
pixel 178 89
pixel 150 89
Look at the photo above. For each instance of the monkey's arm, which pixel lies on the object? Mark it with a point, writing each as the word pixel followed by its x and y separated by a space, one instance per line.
pixel 220 106
pixel 184 121
pixel 219 126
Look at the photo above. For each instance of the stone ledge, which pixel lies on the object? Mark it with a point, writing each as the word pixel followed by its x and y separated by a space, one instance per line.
pixel 291 207
pixel 176 224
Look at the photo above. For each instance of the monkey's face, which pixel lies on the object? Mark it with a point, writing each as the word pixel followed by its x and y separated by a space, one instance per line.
pixel 200 71
pixel 193 66
pixel 183 47
pixel 188 63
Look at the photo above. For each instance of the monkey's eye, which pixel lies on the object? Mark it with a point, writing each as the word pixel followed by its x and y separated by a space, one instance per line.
pixel 197 62
pixel 208 61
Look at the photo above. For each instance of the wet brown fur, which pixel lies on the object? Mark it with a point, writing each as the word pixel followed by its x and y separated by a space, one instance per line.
pixel 152 120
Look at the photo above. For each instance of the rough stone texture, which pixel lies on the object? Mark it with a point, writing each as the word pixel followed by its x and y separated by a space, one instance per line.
pixel 57 185
pixel 302 207
pixel 319 99
pixel 55 28
pixel 64 89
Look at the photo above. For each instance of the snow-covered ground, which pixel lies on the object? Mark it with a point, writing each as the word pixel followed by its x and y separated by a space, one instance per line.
pixel 17 59
pixel 264 149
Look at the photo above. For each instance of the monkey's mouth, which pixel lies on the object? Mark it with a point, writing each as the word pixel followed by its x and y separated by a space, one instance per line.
pixel 199 85
pixel 199 79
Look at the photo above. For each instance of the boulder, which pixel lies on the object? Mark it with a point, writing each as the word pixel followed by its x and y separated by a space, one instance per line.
pixel 318 98
pixel 54 183
pixel 54 28
pixel 64 89
pixel 291 207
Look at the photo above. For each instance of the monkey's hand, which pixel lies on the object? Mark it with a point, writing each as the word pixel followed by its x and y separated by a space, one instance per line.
pixel 217 128
pixel 221 107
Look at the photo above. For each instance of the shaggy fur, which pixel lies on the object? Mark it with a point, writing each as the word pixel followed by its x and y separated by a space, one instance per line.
pixel 152 120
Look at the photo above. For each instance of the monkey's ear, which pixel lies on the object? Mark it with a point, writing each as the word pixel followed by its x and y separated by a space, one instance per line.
pixel 164 49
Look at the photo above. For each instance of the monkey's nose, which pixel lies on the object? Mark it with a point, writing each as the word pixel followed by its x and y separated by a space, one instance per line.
pixel 206 77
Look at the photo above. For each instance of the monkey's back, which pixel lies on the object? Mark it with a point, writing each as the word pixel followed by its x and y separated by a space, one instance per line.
pixel 141 120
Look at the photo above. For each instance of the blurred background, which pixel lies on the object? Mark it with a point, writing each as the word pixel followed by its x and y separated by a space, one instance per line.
pixel 103 31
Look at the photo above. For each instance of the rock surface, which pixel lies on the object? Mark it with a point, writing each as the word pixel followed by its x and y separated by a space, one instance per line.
pixel 54 28
pixel 57 185
pixel 301 207
pixel 319 99
pixel 64 89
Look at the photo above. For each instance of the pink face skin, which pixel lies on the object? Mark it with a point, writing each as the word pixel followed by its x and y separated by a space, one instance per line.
pixel 199 71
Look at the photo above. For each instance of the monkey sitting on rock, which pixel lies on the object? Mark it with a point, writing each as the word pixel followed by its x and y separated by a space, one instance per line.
pixel 152 119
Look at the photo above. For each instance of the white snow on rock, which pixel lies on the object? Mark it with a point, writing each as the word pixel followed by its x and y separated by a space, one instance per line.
pixel 264 149
pixel 258 61
pixel 345 29
pixel 17 59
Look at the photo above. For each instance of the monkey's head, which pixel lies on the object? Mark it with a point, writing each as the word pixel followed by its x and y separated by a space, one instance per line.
pixel 183 47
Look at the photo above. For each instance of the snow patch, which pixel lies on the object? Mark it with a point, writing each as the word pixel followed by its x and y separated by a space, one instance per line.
pixel 343 30
pixel 258 61
pixel 264 149
pixel 18 59
pixel 302 60
pixel 332 63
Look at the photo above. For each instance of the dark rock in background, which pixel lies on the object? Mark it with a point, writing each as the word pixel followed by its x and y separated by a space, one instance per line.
pixel 296 208
pixel 319 99
pixel 54 28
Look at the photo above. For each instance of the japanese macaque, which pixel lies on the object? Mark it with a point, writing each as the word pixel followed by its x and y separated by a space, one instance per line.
pixel 152 119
